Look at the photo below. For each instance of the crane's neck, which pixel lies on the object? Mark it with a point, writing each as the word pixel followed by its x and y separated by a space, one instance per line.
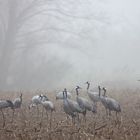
pixel 21 98
pixel 88 85
pixel 77 91
pixel 104 92
pixel 64 95
pixel 99 92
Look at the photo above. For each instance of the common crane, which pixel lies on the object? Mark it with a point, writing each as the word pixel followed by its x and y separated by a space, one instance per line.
pixel 59 95
pixel 110 103
pixel 3 105
pixel 66 107
pixel 36 100
pixel 17 102
pixel 49 106
pixel 94 96
pixel 84 104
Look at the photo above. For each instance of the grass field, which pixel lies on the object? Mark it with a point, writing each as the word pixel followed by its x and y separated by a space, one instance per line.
pixel 28 125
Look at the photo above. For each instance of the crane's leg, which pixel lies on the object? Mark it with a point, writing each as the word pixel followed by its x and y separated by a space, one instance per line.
pixel 106 112
pixel 3 119
pixel 67 119
pixel 47 115
pixel 51 120
pixel 84 114
pixel 73 120
pixel 109 112
pixel 116 114
pixel 37 111
pixel 42 112
pixel 13 115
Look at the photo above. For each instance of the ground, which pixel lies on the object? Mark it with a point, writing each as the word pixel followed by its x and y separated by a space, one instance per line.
pixel 29 125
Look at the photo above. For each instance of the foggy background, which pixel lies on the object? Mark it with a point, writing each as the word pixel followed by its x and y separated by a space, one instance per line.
pixel 60 43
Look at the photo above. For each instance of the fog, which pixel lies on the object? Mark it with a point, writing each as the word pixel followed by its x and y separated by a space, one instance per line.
pixel 52 44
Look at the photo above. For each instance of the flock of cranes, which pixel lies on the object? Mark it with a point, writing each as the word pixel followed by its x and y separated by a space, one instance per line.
pixel 71 107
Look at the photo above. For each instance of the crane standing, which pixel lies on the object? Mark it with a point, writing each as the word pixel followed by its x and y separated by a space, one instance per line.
pixel 3 105
pixel 49 106
pixel 66 107
pixel 94 96
pixel 110 103
pixel 84 104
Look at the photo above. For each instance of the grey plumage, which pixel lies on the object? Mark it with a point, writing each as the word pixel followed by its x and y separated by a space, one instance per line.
pixel 37 99
pixel 84 103
pixel 110 103
pixel 44 98
pixel 48 105
pixel 59 95
pixel 17 102
pixel 66 107
pixel 74 106
pixel 94 96
pixel 3 105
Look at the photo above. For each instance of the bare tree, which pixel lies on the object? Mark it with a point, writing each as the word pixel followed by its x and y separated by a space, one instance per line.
pixel 17 32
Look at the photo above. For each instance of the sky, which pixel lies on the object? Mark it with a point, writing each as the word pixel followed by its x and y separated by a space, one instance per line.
pixel 93 40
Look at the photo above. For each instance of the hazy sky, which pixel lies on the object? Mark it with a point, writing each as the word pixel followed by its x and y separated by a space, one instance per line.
pixel 109 49
pixel 95 40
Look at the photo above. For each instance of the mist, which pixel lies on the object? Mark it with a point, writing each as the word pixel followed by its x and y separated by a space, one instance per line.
pixel 52 44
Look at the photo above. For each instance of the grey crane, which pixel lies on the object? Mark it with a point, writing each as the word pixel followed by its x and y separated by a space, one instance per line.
pixel 73 106
pixel 17 102
pixel 36 100
pixel 94 96
pixel 44 98
pixel 49 106
pixel 3 105
pixel 59 95
pixel 66 107
pixel 110 103
pixel 84 104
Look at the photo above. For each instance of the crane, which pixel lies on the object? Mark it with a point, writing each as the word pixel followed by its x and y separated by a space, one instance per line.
pixel 49 106
pixel 17 102
pixel 3 105
pixel 94 96
pixel 74 106
pixel 110 103
pixel 84 104
pixel 66 107
pixel 59 95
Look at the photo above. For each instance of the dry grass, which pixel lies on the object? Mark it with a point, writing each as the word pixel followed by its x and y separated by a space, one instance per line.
pixel 28 125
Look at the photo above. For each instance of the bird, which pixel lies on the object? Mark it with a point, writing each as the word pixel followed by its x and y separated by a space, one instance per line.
pixel 17 102
pixel 66 107
pixel 73 106
pixel 84 103
pixel 110 103
pixel 35 101
pixel 3 105
pixel 44 98
pixel 94 96
pixel 59 95
pixel 49 106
